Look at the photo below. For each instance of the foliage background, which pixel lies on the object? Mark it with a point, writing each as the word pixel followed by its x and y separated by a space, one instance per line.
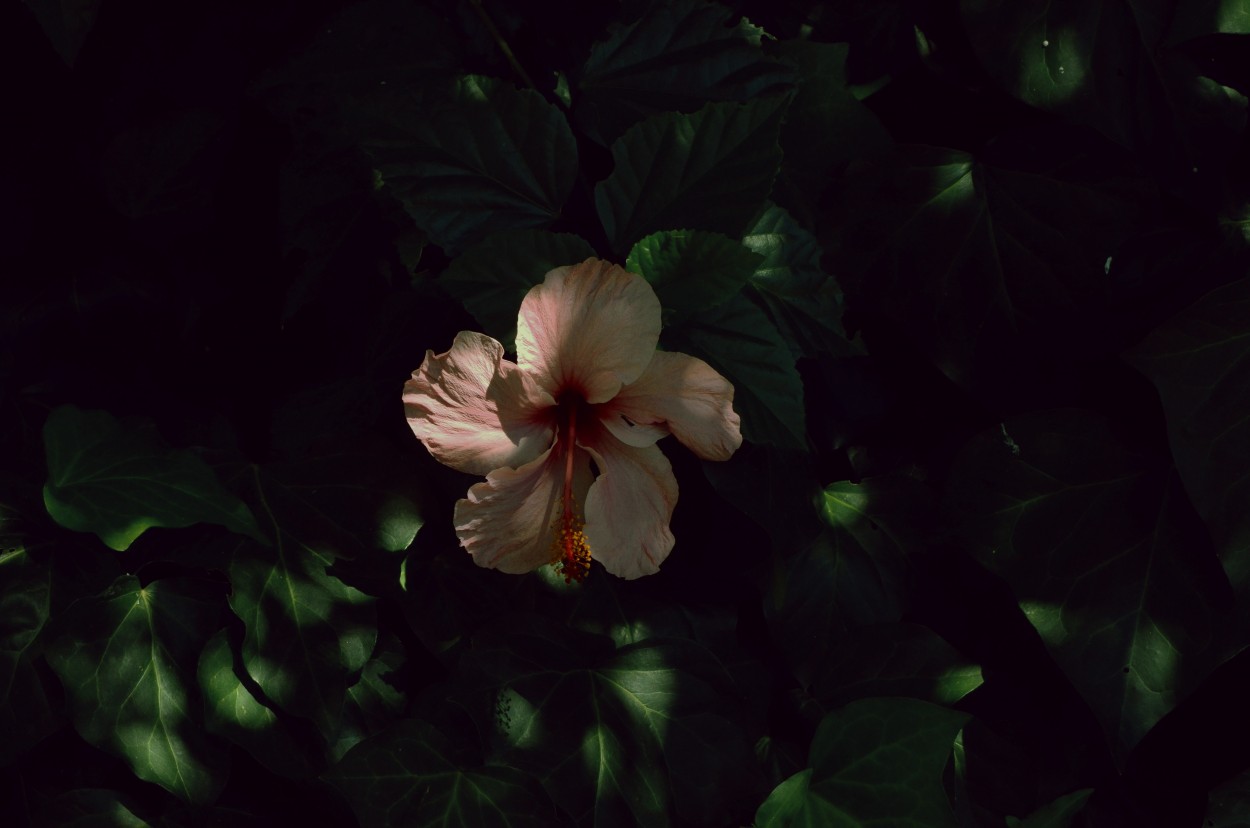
pixel 977 270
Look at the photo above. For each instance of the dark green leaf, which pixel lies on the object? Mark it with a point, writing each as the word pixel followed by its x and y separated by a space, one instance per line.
pixel 66 24
pixel 26 712
pixel 1101 553
pixel 483 158
pixel 127 661
pixel 1228 805
pixel 678 56
pixel 89 808
pixel 492 277
pixel 874 762
pixel 372 704
pixel 1057 814
pixel 738 340
pixel 414 775
pixel 692 270
pixel 711 170
pixel 118 479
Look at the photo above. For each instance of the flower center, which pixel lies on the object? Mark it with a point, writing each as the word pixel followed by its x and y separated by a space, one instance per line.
pixel 572 550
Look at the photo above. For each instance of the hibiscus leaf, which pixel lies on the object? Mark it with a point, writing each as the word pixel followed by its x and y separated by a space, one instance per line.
pixel 738 340
pixel 1200 360
pixel 118 479
pixel 1102 553
pixel 678 56
pixel 127 659
pixel 803 301
pixel 482 158
pixel 493 276
pixel 26 705
pixel 711 170
pixel 692 269
pixel 415 775
pixel 875 761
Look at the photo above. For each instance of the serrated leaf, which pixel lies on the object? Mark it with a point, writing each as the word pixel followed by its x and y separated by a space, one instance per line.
pixel 127 660
pixel 1100 551
pixel 1199 360
pixel 1057 814
pixel 711 170
pixel 874 762
pixel 119 479
pixel 803 301
pixel 66 24
pixel 479 159
pixel 492 277
pixel 676 57
pixel 691 270
pixel 738 340
pixel 414 775
pixel 26 712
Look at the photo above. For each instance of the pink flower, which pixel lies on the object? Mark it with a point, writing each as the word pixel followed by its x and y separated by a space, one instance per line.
pixel 566 436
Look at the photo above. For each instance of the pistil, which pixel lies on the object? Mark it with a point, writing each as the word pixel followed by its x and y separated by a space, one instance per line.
pixel 572 553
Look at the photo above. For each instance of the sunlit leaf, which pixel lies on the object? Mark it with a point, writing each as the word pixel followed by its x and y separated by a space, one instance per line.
pixel 692 269
pixel 1057 814
pixel 118 479
pixel 127 661
pixel 874 762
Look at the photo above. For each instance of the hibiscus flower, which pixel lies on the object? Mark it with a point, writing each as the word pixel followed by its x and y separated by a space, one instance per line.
pixel 566 435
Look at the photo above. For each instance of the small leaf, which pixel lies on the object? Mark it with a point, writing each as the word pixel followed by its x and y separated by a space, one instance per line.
pixel 127 661
pixel 874 762
pixel 1057 814
pixel 118 479
pixel 493 276
pixel 692 269
pixel 711 170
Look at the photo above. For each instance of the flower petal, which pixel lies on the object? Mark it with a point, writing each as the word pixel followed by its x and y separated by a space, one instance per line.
pixel 593 326
pixel 679 394
pixel 507 521
pixel 474 411
pixel 629 506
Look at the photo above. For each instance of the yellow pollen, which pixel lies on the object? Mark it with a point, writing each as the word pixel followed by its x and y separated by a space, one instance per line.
pixel 572 550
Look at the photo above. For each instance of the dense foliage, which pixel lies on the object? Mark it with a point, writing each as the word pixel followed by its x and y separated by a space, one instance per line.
pixel 977 271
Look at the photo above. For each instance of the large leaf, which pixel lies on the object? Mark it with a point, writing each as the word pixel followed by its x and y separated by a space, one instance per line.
pixel 1101 552
pixel 127 661
pixel 874 762
pixel 678 56
pixel 692 269
pixel 711 170
pixel 738 340
pixel 26 711
pixel 1200 361
pixel 415 775
pixel 493 276
pixel 480 158
pixel 118 479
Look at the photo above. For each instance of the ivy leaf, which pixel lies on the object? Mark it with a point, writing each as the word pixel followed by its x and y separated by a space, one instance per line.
pixel 692 269
pixel 711 170
pixel 1100 550
pixel 414 775
pixel 738 340
pixel 874 762
pixel 118 479
pixel 493 276
pixel 26 711
pixel 481 158
pixel 373 704
pixel 127 661
pixel 677 57
pixel 1199 361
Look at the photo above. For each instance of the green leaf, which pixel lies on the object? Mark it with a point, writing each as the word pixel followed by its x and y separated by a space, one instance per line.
pixel 493 276
pixel 117 479
pixel 66 24
pixel 306 630
pixel 738 340
pixel 373 704
pixel 1199 360
pixel 1228 805
pixel 677 57
pixel 692 270
pixel 1101 553
pixel 233 712
pixel 26 712
pixel 483 158
pixel 1057 814
pixel 127 661
pixel 874 762
pixel 414 775
pixel 803 301
pixel 711 170
pixel 89 808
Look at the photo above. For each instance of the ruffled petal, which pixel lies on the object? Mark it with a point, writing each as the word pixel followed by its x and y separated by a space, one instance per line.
pixel 629 506
pixel 474 411
pixel 507 521
pixel 679 394
pixel 592 327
